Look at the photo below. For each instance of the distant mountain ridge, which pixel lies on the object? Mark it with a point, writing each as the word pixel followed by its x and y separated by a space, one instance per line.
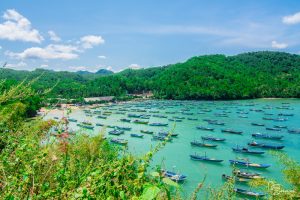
pixel 99 72
pixel 243 76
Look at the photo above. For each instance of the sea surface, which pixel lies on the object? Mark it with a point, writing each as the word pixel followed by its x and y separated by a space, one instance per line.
pixel 175 156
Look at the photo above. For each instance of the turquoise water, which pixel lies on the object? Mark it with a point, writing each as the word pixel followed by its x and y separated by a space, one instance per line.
pixel 175 155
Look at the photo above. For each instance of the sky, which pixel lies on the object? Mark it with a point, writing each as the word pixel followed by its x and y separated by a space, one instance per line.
pixel 104 34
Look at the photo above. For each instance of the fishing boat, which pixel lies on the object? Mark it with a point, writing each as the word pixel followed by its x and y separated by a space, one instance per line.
pixel 280 126
pixel 116 132
pixel 213 138
pixel 178 117
pixel 266 146
pixel 140 121
pixel 248 192
pixel 72 120
pixel 101 117
pixel 236 179
pixel 257 124
pixel 273 129
pixel 136 135
pixel 175 120
pixel 192 119
pixel 146 132
pixel 205 128
pixel 123 128
pixel 168 133
pixel 86 126
pixel 294 131
pixel 246 150
pixel 161 137
pixel 160 116
pixel 248 175
pixel 205 158
pixel 249 164
pixel 202 144
pixel 216 123
pixel 267 136
pixel 99 124
pixel 134 115
pixel 232 131
pixel 125 120
pixel 119 141
pixel 55 117
pixel 158 124
pixel 179 178
pixel 286 114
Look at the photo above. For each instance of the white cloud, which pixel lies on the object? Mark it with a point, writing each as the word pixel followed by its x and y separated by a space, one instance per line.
pixel 109 68
pixel 18 65
pixel 134 66
pixel 17 27
pixel 0 47
pixel 53 36
pixel 52 51
pixel 277 45
pixel 90 41
pixel 102 57
pixel 291 19
pixel 44 66
pixel 78 68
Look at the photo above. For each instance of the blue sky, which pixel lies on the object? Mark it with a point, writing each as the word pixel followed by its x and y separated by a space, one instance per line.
pixel 89 35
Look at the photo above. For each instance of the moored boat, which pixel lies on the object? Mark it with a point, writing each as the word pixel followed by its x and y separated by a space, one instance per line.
pixel 136 135
pixel 246 150
pixel 205 158
pixel 266 146
pixel 267 136
pixel 116 132
pixel 202 144
pixel 158 124
pixel 248 192
pixel 249 164
pixel 146 131
pixel 179 178
pixel 236 179
pixel 211 138
pixel 205 128
pixel 119 141
pixel 232 131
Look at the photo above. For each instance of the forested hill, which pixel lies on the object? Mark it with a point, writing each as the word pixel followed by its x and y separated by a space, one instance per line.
pixel 248 75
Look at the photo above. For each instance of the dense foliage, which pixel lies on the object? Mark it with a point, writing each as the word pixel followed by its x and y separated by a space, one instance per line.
pixel 249 75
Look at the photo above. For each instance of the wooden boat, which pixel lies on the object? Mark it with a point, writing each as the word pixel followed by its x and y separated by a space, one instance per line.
pixel 134 115
pixel 294 131
pixel 267 136
pixel 99 124
pixel 167 133
pixel 146 132
pixel 119 141
pixel 137 135
pixel 161 137
pixel 178 117
pixel 286 114
pixel 280 126
pixel 116 132
pixel 202 144
pixel 86 123
pixel 246 150
pixel 101 117
pixel 236 179
pixel 213 138
pixel 72 120
pixel 140 121
pixel 179 178
pixel 216 123
pixel 85 126
pixel 175 120
pixel 249 164
pixel 248 192
pixel 205 128
pixel 232 131
pixel 158 124
pixel 265 146
pixel 247 175
pixel 192 119
pixel 160 116
pixel 123 128
pixel 273 129
pixel 257 124
pixel 125 120
pixel 205 158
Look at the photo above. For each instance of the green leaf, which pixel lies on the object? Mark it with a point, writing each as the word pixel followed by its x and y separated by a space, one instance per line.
pixel 155 174
pixel 150 193
pixel 170 182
